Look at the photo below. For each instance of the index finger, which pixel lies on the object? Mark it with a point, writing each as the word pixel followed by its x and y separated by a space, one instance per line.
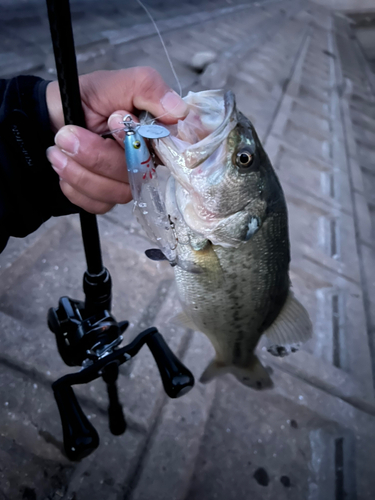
pixel 140 88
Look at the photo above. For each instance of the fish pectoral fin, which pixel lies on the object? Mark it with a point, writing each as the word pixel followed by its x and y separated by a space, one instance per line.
pixel 290 330
pixel 254 376
pixel 182 320
pixel 190 266
pixel 203 261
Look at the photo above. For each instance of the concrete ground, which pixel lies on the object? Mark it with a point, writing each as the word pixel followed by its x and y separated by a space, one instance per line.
pixel 301 76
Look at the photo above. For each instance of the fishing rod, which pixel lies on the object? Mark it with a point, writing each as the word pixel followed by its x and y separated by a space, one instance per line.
pixel 87 334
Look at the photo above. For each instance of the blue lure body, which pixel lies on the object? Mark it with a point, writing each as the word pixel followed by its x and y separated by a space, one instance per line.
pixel 149 207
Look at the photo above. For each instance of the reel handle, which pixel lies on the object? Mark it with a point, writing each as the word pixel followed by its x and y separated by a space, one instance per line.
pixel 80 437
pixel 177 379
pixel 117 422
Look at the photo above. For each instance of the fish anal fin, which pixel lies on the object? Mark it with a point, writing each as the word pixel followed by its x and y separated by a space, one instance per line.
pixel 254 376
pixel 290 330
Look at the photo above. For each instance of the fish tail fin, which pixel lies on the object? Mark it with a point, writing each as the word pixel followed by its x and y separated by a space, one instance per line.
pixel 290 330
pixel 214 369
pixel 254 376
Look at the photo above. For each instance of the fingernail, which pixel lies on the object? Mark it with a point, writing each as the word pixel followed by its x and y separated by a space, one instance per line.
pixel 67 141
pixel 174 105
pixel 115 121
pixel 57 159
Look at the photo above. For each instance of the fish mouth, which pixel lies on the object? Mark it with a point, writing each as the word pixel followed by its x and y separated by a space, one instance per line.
pixel 196 155
pixel 211 118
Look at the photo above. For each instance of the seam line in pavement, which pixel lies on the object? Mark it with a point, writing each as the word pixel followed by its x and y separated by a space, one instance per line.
pixel 190 20
pixel 339 78
pixel 135 476
pixel 300 54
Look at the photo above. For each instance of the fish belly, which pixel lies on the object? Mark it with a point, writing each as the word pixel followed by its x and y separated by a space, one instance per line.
pixel 233 303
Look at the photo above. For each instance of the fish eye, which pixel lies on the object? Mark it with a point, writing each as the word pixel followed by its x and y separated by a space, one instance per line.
pixel 244 158
pixel 136 144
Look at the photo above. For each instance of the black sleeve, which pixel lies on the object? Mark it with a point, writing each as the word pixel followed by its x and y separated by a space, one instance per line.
pixel 29 188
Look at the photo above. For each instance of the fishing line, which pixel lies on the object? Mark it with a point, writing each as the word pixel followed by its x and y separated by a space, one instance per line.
pixel 168 58
pixel 151 120
pixel 163 44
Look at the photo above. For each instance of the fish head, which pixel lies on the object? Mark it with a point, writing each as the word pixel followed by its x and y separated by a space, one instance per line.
pixel 219 166
pixel 235 172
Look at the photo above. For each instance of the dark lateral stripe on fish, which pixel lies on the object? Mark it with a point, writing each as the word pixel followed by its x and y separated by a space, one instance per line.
pixel 237 351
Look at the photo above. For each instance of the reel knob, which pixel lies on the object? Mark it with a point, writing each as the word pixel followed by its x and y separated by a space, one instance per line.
pixel 177 379
pixel 80 437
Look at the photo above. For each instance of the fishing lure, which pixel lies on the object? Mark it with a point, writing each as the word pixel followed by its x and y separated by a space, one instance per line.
pixel 149 207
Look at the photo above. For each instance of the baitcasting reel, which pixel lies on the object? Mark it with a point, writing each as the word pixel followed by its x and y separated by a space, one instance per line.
pixel 88 335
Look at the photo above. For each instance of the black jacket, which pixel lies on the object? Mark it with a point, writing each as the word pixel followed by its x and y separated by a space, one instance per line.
pixel 29 187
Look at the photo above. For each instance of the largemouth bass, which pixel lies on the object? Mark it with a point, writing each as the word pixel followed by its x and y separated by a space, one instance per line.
pixel 229 216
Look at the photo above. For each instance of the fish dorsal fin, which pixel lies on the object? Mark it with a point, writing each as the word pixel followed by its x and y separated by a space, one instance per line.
pixel 182 320
pixel 291 328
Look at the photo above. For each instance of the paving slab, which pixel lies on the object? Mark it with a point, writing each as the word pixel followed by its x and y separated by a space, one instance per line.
pixel 308 94
pixel 268 457
pixel 357 111
pixel 171 454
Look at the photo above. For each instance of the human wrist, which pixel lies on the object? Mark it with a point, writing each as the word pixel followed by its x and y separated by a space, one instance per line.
pixel 54 106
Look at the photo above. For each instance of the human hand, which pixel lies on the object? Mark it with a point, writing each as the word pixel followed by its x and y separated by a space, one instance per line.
pixel 92 169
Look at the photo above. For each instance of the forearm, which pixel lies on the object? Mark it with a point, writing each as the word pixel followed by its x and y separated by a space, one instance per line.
pixel 29 188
